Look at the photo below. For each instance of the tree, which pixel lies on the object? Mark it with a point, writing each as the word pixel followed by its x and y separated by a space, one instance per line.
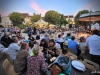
pixel 16 18
pixel 0 18
pixel 69 20
pixel 35 18
pixel 62 20
pixel 52 17
pixel 80 13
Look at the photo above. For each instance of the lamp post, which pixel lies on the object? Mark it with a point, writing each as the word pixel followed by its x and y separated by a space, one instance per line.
pixel 90 20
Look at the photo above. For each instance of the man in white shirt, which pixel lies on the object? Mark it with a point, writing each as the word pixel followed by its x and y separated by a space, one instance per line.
pixel 93 43
pixel 13 48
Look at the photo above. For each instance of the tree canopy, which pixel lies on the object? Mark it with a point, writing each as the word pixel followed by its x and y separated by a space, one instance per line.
pixel 81 12
pixel 52 17
pixel 16 18
pixel 62 20
pixel 0 18
pixel 35 18
pixel 69 20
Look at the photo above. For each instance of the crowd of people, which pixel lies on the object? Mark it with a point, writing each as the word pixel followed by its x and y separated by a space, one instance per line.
pixel 33 55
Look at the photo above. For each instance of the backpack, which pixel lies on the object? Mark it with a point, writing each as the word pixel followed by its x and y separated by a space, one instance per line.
pixel 63 62
pixel 55 69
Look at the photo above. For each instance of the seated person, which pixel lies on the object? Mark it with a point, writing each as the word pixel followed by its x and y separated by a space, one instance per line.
pixel 45 46
pixel 19 35
pixel 52 51
pixel 65 52
pixel 6 40
pixel 47 38
pixel 73 45
pixel 38 40
pixel 82 43
pixel 20 64
pixel 5 65
pixel 36 64
pixel 31 40
pixel 68 37
pixel 60 40
pixel 13 48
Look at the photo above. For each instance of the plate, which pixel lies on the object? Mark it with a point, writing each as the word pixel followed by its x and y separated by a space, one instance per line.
pixel 78 65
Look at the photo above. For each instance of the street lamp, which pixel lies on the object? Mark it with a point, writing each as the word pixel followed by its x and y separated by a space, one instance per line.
pixel 90 20
pixel 70 22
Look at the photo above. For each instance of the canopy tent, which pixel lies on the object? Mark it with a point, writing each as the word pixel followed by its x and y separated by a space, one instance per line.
pixel 52 26
pixel 95 26
pixel 92 16
pixel 41 23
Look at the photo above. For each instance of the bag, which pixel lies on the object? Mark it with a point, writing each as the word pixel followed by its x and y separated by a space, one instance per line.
pixel 68 71
pixel 63 62
pixel 31 44
pixel 55 70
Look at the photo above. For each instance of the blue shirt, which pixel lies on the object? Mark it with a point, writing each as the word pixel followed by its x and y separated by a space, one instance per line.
pixel 68 37
pixel 73 45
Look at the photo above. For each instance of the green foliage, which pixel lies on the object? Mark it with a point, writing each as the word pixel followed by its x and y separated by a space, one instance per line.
pixel 69 20
pixel 52 17
pixel 35 18
pixel 0 18
pixel 16 18
pixel 81 12
pixel 62 20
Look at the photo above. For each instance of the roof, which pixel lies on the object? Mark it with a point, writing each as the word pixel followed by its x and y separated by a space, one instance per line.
pixel 69 16
pixel 66 16
pixel 25 15
pixel 93 18
pixel 91 14
pixel 41 21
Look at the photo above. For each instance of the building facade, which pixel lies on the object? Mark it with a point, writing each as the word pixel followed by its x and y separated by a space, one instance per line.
pixel 27 18
pixel 5 21
pixel 69 17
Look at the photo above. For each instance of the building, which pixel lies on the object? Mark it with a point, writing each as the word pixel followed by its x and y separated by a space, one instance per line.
pixel 27 18
pixel 5 21
pixel 69 17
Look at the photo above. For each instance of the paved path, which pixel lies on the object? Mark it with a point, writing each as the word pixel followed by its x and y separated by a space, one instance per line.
pixel 26 35
pixel 65 33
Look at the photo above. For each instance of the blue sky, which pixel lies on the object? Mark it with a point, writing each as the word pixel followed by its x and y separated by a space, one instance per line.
pixel 66 7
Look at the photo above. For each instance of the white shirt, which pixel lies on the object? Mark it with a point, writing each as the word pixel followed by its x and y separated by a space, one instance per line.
pixel 57 45
pixel 13 49
pixel 93 42
pixel 59 40
pixel 38 41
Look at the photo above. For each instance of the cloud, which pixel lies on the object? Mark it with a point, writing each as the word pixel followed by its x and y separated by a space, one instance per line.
pixel 37 8
pixel 87 6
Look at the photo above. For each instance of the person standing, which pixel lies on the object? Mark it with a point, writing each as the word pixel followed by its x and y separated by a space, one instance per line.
pixel 93 43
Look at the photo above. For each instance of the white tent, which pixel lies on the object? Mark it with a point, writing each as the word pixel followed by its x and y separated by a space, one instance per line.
pixel 95 26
